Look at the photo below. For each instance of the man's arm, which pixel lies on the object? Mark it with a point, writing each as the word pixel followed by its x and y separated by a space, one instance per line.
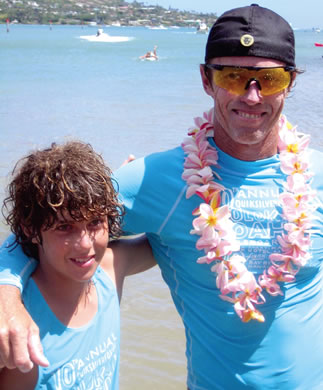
pixel 19 336
pixel 136 253
pixel 15 266
pixel 127 257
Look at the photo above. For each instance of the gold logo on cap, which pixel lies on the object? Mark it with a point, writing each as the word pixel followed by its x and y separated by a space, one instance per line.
pixel 247 40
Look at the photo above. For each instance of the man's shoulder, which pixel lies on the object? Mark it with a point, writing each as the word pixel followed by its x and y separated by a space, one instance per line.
pixel 151 162
pixel 316 160
pixel 169 156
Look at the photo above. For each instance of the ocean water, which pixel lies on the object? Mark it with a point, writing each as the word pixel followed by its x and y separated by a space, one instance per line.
pixel 56 86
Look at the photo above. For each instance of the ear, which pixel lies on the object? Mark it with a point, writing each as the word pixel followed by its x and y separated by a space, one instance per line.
pixel 207 85
pixel 27 234
pixel 294 74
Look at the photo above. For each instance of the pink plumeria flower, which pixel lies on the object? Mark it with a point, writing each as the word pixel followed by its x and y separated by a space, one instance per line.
pixel 271 286
pixel 291 141
pixel 209 116
pixel 297 235
pixel 208 258
pixel 293 249
pixel 209 237
pixel 232 274
pixel 300 201
pixel 284 263
pixel 208 193
pixel 224 248
pixel 216 218
pixel 193 161
pixel 270 278
pixel 215 253
pixel 246 313
pixel 198 176
pixel 199 183
pixel 213 245
pixel 189 145
pixel 299 216
pixel 280 276
pixel 243 281
pixel 245 307
pixel 297 184
pixel 293 163
pixel 222 272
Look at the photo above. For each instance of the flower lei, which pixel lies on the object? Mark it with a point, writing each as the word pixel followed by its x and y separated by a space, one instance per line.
pixel 216 229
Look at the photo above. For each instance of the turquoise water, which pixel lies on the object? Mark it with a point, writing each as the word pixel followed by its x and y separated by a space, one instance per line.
pixel 56 86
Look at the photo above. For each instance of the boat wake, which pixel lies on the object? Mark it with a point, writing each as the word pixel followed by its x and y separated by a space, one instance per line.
pixel 103 37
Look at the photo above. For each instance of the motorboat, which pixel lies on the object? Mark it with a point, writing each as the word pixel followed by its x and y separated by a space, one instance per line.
pixel 101 36
pixel 202 28
pixel 160 27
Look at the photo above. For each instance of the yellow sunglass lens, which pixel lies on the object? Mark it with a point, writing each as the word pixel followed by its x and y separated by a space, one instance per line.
pixel 232 79
pixel 273 81
pixel 236 80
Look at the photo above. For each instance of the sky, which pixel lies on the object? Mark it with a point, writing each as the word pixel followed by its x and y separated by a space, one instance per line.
pixel 300 13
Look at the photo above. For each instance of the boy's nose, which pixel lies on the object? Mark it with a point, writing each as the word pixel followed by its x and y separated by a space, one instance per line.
pixel 85 239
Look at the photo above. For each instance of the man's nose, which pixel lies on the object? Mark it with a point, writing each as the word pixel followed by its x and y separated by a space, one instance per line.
pixel 253 92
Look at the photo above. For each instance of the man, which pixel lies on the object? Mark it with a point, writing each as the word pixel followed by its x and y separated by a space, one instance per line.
pixel 234 220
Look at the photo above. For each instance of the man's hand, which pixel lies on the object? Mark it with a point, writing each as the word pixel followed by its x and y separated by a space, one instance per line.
pixel 20 345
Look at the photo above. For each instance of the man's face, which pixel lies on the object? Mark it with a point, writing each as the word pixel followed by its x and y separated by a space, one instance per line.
pixel 248 119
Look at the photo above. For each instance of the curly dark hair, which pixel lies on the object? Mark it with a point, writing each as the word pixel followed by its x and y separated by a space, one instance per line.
pixel 70 178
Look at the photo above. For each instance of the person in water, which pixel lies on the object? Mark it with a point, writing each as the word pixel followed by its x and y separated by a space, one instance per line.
pixel 150 54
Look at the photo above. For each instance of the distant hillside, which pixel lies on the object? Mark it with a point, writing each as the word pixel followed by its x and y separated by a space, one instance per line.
pixel 96 11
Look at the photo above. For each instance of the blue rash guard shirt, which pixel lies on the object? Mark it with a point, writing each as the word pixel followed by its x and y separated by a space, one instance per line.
pixel 80 358
pixel 286 351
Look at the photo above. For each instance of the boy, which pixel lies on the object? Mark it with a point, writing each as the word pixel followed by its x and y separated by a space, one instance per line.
pixel 62 207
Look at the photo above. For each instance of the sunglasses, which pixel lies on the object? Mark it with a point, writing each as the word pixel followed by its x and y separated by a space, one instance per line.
pixel 236 79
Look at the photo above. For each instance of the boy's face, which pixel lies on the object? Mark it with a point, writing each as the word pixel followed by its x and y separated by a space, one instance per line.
pixel 73 250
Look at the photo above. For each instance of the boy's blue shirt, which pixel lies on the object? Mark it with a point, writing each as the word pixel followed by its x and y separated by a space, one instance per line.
pixel 86 357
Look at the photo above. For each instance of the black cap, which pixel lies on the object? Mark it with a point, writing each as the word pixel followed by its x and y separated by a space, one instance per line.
pixel 251 31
